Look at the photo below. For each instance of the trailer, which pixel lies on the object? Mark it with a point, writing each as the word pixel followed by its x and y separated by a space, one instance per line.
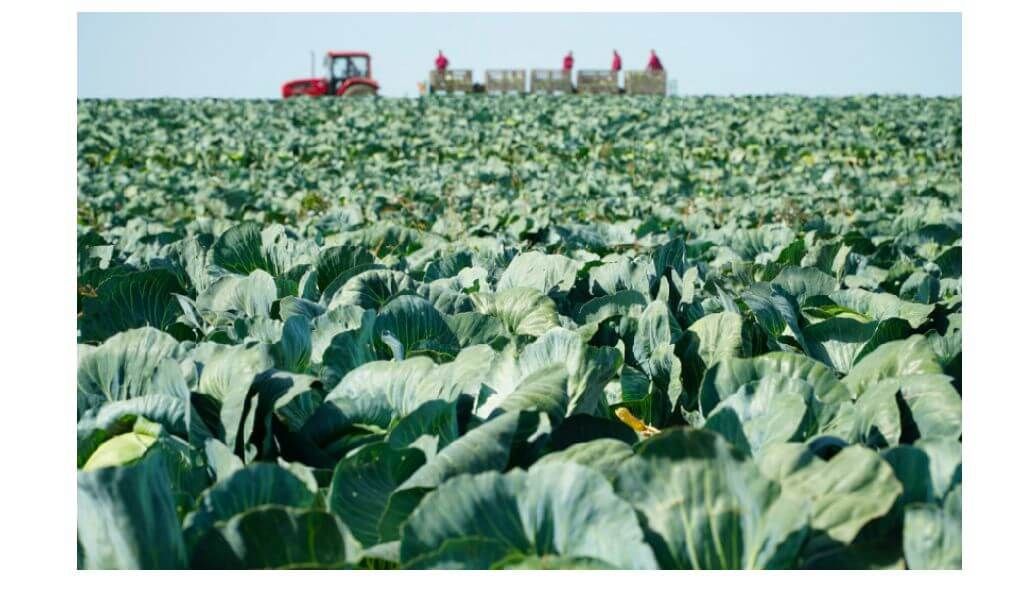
pixel 646 82
pixel 598 82
pixel 505 81
pixel 451 81
pixel 551 82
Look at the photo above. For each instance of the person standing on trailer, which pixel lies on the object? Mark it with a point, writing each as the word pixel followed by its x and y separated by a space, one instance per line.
pixel 616 68
pixel 441 63
pixel 567 63
pixel 654 64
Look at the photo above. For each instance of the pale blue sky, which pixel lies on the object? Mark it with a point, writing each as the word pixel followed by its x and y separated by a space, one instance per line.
pixel 250 55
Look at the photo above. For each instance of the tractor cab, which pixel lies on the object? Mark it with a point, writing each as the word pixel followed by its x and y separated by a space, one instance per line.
pixel 342 67
pixel 348 74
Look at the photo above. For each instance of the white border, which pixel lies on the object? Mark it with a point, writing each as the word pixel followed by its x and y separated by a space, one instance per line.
pixel 521 6
pixel 38 149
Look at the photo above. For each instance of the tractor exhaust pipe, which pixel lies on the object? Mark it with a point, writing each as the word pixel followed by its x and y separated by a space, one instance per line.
pixel 312 64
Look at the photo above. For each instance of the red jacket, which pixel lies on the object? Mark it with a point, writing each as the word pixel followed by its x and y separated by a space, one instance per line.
pixel 441 63
pixel 567 62
pixel 616 62
pixel 654 63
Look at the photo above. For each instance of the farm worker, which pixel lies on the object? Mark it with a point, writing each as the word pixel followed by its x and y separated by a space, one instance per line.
pixel 567 62
pixel 654 64
pixel 441 63
pixel 616 61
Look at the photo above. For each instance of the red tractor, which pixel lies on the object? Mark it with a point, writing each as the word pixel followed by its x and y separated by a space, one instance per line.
pixel 349 75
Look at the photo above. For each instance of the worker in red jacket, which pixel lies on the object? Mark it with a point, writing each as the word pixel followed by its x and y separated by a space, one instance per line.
pixel 654 64
pixel 616 61
pixel 441 63
pixel 567 62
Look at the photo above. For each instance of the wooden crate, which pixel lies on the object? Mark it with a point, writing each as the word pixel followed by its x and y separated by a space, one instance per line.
pixel 597 82
pixel 451 81
pixel 646 82
pixel 503 81
pixel 550 81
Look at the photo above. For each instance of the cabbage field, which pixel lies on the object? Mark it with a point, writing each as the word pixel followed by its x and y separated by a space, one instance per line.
pixel 519 332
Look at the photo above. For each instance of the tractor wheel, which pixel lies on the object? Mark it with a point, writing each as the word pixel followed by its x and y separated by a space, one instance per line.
pixel 360 90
